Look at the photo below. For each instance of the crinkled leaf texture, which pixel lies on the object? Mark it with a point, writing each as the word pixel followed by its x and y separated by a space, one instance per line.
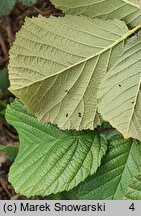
pixel 134 189
pixel 57 64
pixel 121 163
pixel 51 160
pixel 120 92
pixel 127 10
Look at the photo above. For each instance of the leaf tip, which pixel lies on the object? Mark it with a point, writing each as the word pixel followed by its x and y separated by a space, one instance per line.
pixel 126 136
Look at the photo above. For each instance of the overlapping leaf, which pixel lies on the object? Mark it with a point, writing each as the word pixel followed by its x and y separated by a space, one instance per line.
pixel 134 189
pixel 127 10
pixel 51 160
pixel 121 163
pixel 120 93
pixel 57 64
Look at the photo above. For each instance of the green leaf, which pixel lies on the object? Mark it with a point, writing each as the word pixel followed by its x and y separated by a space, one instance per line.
pixel 10 150
pixel 134 189
pixel 4 82
pixel 6 6
pixel 28 2
pixel 108 131
pixel 51 160
pixel 120 96
pixel 127 10
pixel 61 66
pixel 2 105
pixel 121 163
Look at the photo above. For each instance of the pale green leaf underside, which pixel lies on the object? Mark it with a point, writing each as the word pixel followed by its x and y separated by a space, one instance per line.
pixel 121 163
pixel 127 10
pixel 57 64
pixel 134 189
pixel 51 160
pixel 120 95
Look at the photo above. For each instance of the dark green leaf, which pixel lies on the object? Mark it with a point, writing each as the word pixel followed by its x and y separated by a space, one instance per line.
pixel 51 160
pixel 120 165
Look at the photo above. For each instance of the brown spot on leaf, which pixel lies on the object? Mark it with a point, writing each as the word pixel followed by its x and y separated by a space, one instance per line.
pixel 69 63
pixel 67 115
pixel 119 85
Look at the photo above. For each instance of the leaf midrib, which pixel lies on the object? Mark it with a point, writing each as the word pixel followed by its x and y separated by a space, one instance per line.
pixel 125 36
pixel 132 4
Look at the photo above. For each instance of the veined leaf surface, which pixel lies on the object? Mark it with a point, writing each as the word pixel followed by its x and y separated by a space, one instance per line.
pixel 119 166
pixel 57 64
pixel 127 10
pixel 50 160
pixel 120 92
pixel 134 189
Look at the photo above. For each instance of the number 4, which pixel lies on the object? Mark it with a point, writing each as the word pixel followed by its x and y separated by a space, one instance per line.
pixel 132 207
